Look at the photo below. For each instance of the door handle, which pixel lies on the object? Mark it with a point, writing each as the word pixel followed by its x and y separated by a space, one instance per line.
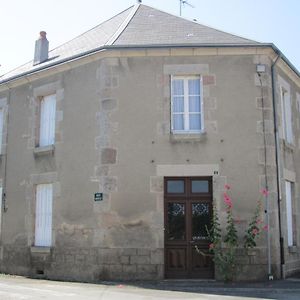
pixel 192 242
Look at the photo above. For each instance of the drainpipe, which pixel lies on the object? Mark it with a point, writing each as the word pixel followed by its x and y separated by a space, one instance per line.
pixel 278 158
pixel 4 204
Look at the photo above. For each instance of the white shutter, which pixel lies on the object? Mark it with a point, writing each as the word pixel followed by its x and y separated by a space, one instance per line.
pixel 288 117
pixel 1 209
pixel 1 129
pixel 47 121
pixel 289 212
pixel 43 216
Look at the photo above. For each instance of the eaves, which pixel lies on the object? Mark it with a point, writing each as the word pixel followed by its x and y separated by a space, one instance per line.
pixel 69 60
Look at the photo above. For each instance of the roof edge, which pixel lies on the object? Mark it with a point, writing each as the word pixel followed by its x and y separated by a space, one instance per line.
pixel 123 26
pixel 123 47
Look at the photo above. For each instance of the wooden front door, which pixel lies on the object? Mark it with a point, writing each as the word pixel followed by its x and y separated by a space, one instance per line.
pixel 188 210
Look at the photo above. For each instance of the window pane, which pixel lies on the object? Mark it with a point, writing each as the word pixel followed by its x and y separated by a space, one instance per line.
pixel 175 186
pixel 194 87
pixel 178 122
pixel 200 220
pixel 176 221
pixel 195 123
pixel 194 103
pixel 178 104
pixel 177 87
pixel 200 186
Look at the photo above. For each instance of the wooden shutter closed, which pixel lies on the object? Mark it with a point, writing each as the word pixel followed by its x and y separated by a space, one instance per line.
pixel 43 216
pixel 47 121
pixel 288 118
pixel 1 209
pixel 289 212
pixel 1 129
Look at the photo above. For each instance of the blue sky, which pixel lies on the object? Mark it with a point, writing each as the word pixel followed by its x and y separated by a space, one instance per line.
pixel 274 21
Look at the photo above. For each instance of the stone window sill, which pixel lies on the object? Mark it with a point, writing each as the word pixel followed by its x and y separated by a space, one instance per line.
pixel 45 150
pixel 293 249
pixel 188 137
pixel 40 250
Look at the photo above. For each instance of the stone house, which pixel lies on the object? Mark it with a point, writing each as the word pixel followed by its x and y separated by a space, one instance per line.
pixel 115 146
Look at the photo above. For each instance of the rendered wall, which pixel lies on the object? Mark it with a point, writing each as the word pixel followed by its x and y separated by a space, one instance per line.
pixel 113 136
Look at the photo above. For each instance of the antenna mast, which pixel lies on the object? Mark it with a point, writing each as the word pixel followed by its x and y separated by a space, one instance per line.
pixel 181 5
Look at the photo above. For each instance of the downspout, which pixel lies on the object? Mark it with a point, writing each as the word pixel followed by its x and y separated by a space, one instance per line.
pixel 277 157
pixel 4 204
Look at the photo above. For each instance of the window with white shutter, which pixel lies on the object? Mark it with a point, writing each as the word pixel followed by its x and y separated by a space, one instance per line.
pixel 47 120
pixel 286 108
pixel 289 213
pixel 1 129
pixel 43 215
pixel 1 209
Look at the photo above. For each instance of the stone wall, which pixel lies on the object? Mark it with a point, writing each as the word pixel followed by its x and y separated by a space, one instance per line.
pixel 88 264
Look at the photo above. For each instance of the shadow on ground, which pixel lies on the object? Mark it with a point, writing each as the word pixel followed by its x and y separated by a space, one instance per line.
pixel 278 289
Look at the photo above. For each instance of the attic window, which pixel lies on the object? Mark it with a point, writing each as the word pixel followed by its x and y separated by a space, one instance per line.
pixel 190 34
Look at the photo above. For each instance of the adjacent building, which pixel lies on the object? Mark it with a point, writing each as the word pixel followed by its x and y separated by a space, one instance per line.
pixel 116 145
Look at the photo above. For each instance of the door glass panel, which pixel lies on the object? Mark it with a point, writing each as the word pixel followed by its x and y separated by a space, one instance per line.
pixel 176 221
pixel 175 186
pixel 200 220
pixel 200 186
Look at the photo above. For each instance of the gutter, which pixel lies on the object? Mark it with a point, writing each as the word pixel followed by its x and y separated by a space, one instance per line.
pixel 277 158
pixel 145 47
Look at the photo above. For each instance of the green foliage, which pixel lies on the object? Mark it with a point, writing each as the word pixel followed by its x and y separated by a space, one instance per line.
pixel 224 250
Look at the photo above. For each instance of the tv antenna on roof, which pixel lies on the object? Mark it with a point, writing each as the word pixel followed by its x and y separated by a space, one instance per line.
pixel 182 3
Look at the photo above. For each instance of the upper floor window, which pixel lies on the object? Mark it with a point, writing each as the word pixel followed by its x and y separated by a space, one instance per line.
pixel 286 108
pixel 47 120
pixel 186 104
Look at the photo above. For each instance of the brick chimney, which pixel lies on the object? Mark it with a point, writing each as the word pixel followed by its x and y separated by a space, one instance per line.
pixel 41 49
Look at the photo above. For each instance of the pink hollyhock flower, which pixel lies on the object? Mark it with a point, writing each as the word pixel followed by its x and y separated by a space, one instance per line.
pixel 265 228
pixel 227 200
pixel 265 192
pixel 211 246
pixel 258 221
pixel 254 231
pixel 227 187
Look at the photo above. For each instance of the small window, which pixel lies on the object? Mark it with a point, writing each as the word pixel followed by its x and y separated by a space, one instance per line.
pixel 43 215
pixel 200 186
pixel 47 120
pixel 286 109
pixel 175 186
pixel 186 104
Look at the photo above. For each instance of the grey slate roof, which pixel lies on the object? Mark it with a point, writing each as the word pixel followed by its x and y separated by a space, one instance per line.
pixel 150 26
pixel 139 25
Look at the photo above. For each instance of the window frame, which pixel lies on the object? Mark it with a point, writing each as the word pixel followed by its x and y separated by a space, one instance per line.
pixel 186 112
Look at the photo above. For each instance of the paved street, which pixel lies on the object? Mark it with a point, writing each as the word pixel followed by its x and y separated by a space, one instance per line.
pixel 14 287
